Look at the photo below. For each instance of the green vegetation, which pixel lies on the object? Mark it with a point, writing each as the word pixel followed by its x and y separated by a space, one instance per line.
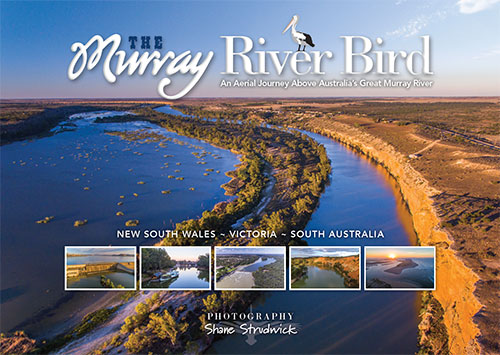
pixel 203 261
pixel 151 325
pixel 301 164
pixel 89 322
pixel 132 223
pixel 155 259
pixel 299 268
pixel 142 311
pixel 107 283
pixel 226 264
pixel 79 223
pixel 165 327
pixel 45 220
pixel 211 303
pixel 433 338
pixel 300 167
pixel 270 275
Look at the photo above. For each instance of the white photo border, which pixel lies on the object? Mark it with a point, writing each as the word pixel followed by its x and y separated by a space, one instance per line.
pixel 209 248
pixel 323 288
pixel 400 288
pixel 66 288
pixel 282 248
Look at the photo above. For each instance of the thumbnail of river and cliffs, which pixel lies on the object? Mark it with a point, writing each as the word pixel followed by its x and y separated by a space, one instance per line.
pixel 425 171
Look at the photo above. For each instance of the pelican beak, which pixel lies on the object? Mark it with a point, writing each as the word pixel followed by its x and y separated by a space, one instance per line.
pixel 288 26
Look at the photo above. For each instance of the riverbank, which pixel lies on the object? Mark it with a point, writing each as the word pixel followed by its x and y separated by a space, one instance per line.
pixel 243 279
pixel 25 119
pixel 443 154
pixel 346 267
pixel 453 276
pixel 459 331
pixel 403 265
pixel 289 206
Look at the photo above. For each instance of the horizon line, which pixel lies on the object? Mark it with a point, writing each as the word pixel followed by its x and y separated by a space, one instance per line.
pixel 248 97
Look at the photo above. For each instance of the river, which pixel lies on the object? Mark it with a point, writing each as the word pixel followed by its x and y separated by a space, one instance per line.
pixel 81 172
pixel 39 178
pixel 316 277
pixel 361 195
pixel 189 278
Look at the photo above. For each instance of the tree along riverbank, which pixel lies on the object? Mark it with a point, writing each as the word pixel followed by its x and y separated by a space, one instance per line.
pixel 26 120
pixel 301 169
pixel 347 267
pixel 450 209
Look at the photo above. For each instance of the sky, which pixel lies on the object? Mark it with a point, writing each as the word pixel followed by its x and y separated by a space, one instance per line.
pixel 186 253
pixel 250 250
pixel 415 252
pixel 101 251
pixel 36 38
pixel 326 252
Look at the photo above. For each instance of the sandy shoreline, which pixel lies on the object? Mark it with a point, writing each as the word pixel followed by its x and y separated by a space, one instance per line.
pixel 403 265
pixel 238 278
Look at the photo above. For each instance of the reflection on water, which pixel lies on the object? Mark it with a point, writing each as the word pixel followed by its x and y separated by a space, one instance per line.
pixel 90 259
pixel 82 173
pixel 94 281
pixel 188 278
pixel 419 276
pixel 258 264
pixel 359 196
pixel 316 277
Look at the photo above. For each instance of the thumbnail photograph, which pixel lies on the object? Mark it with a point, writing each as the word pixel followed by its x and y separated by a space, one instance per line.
pixel 175 268
pixel 400 268
pixel 324 268
pixel 100 268
pixel 250 268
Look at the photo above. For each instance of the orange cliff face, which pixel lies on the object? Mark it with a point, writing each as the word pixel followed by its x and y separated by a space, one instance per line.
pixel 455 282
pixel 349 263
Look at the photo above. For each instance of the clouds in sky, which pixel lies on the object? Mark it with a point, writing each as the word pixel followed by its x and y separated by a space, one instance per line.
pixel 248 250
pixel 325 252
pixel 101 250
pixel 473 6
pixel 416 24
pixel 487 54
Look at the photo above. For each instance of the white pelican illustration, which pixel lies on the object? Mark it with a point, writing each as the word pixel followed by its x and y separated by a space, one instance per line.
pixel 301 38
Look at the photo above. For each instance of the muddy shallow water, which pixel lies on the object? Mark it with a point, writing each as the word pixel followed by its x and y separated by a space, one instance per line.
pixel 316 277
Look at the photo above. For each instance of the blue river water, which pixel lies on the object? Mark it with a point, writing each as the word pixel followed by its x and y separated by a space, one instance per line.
pixel 49 176
pixel 82 172
pixel 360 196
pixel 258 264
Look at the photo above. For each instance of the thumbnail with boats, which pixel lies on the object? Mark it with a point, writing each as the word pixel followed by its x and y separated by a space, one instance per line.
pixel 175 268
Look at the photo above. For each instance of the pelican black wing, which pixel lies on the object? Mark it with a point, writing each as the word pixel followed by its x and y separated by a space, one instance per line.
pixel 309 40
